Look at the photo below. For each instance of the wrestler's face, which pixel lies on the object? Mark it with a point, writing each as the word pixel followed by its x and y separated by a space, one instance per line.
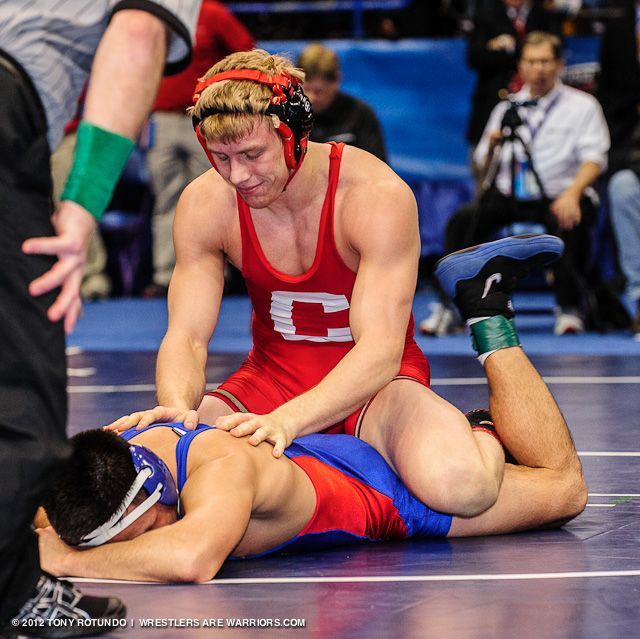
pixel 157 516
pixel 255 165
pixel 539 68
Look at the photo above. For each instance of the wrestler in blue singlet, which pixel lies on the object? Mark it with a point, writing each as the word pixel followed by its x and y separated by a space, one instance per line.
pixel 359 497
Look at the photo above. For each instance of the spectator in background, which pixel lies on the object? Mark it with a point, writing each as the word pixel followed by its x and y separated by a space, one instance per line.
pixel 337 115
pixel 176 157
pixel 619 93
pixel 568 139
pixel 493 50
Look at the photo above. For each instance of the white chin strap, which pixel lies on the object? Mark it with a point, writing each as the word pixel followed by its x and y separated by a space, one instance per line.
pixel 118 522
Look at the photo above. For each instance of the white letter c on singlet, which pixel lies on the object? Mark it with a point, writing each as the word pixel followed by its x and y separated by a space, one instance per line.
pixel 281 312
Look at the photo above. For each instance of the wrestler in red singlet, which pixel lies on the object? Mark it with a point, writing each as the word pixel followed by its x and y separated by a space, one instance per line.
pixel 301 323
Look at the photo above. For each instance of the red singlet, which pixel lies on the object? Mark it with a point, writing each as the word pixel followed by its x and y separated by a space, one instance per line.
pixel 300 323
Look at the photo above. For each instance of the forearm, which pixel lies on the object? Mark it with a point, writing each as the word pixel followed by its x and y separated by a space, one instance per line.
pixel 140 559
pixel 126 73
pixel 366 369
pixel 586 175
pixel 180 372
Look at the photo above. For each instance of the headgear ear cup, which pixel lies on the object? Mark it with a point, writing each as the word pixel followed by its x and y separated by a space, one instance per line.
pixel 143 457
pixel 289 104
pixel 296 117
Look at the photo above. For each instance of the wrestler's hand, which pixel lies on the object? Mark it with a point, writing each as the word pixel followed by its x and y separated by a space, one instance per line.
pixel 73 225
pixel 143 418
pixel 566 207
pixel 54 553
pixel 262 428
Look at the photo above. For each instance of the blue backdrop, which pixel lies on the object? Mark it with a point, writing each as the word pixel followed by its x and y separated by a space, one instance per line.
pixel 421 91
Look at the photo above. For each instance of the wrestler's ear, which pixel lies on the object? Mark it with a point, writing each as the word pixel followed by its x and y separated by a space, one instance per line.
pixel 41 520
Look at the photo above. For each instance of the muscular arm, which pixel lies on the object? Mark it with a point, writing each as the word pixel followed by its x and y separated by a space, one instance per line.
pixel 192 549
pixel 194 300
pixel 195 292
pixel 386 237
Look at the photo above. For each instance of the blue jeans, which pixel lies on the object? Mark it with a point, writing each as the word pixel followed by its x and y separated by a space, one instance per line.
pixel 624 199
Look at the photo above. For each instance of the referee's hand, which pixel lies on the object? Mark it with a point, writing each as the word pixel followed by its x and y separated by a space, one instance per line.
pixel 74 226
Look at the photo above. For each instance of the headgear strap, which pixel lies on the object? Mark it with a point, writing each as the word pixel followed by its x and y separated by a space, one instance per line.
pixel 153 475
pixel 289 104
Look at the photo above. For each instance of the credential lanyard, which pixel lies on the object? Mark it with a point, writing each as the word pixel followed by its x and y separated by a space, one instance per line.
pixel 534 130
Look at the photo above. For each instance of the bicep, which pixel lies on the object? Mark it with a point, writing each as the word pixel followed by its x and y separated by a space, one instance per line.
pixel 197 283
pixel 389 248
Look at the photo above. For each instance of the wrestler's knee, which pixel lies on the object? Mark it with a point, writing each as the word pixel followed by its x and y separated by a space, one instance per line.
pixel 456 486
pixel 574 491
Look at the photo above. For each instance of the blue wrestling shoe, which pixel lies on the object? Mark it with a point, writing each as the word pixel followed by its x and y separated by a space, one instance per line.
pixel 480 279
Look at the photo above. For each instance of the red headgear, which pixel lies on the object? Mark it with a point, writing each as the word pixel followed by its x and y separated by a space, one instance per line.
pixel 289 104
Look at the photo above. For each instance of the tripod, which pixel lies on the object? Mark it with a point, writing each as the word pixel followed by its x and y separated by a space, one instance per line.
pixel 511 122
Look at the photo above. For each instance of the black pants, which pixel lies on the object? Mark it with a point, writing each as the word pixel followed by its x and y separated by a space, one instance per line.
pixel 475 222
pixel 33 405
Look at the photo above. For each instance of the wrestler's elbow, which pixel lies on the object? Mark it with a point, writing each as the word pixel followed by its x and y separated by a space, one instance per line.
pixel 193 566
pixel 383 358
pixel 390 355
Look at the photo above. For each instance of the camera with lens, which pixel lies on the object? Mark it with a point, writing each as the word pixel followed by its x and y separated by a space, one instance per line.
pixel 511 118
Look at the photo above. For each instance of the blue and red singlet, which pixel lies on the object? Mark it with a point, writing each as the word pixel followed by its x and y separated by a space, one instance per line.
pixel 358 496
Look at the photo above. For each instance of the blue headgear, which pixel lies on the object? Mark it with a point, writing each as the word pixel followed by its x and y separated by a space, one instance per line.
pixel 153 475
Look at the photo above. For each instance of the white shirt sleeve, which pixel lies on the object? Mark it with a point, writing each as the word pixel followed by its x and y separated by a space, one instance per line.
pixel 594 141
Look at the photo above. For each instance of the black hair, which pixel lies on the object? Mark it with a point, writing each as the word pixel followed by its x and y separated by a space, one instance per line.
pixel 90 485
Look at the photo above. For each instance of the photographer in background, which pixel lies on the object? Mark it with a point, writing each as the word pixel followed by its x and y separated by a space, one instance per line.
pixel 499 29
pixel 567 137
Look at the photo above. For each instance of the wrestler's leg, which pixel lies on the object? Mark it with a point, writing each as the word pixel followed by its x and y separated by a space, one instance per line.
pixel 548 487
pixel 430 445
pixel 211 408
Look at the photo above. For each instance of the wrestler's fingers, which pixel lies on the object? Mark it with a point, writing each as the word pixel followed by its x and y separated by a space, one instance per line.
pixel 279 446
pixel 191 419
pixel 247 428
pixel 261 434
pixel 119 424
pixel 228 422
pixel 149 417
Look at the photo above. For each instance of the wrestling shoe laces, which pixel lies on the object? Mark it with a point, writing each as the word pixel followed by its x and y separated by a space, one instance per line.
pixel 57 609
pixel 480 279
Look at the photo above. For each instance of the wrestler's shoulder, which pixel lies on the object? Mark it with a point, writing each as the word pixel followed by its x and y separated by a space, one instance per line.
pixel 208 192
pixel 214 444
pixel 359 168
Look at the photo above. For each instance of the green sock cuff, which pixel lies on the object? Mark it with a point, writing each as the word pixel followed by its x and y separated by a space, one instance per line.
pixel 493 333
pixel 99 159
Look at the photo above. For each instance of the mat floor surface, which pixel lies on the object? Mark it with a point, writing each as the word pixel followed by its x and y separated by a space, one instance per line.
pixel 582 581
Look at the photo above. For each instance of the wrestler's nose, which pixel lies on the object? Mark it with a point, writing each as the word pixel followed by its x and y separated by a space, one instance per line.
pixel 238 172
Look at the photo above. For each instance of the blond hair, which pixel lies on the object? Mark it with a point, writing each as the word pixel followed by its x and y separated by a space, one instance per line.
pixel 242 103
pixel 318 61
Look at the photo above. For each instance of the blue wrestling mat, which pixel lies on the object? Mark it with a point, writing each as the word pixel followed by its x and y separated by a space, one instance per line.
pixel 581 582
